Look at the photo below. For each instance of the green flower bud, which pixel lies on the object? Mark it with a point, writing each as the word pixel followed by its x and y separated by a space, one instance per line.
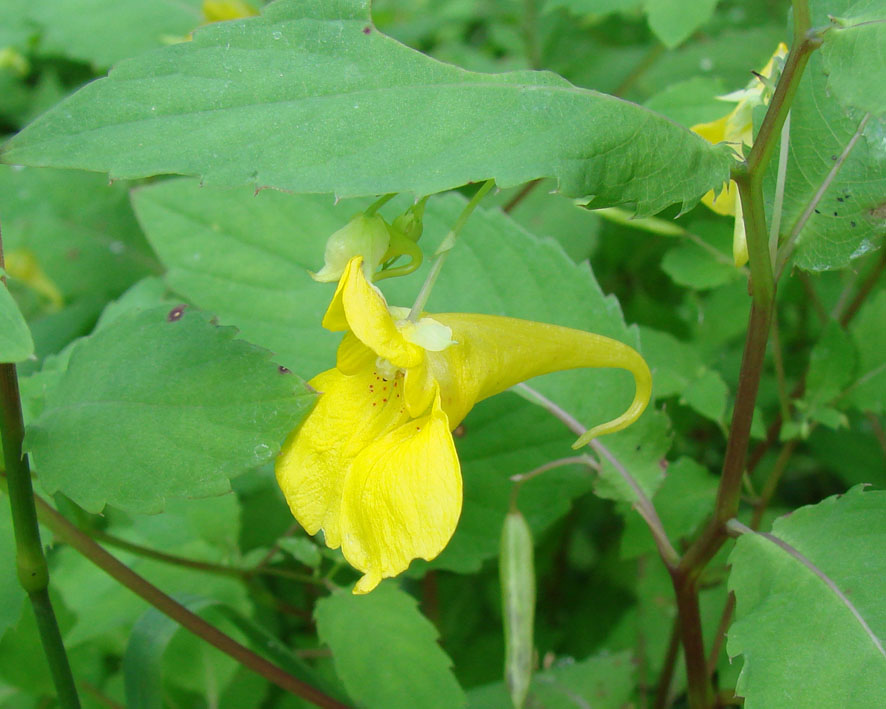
pixel 364 236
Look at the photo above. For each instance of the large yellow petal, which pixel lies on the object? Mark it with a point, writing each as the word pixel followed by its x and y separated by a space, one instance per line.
pixel 360 307
pixel 352 411
pixel 493 353
pixel 402 499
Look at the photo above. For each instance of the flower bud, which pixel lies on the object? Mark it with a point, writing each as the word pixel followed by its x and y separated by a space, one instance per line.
pixel 362 236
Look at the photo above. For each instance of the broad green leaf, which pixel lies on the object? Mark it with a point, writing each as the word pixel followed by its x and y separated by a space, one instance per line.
pixel 820 617
pixel 153 633
pixel 12 594
pixel 839 154
pixel 310 97
pixel 77 229
pixel 143 659
pixel 728 55
pixel 385 651
pixel 679 370
pixel 854 454
pixel 602 682
pixel 673 21
pixel 869 335
pixel 683 501
pixel 854 57
pixel 576 229
pixel 691 101
pixel 246 258
pixel 832 366
pixel 16 342
pixel 102 32
pixel 157 405
pixel 693 266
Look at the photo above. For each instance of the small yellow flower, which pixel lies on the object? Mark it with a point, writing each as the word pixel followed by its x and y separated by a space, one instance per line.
pixel 737 127
pixel 374 464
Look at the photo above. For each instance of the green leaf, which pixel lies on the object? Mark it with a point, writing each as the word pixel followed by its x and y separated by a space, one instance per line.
pixel 692 266
pixel 869 335
pixel 79 229
pixel 683 502
pixel 233 252
pixel 16 343
pixel 142 661
pixel 836 155
pixel 11 593
pixel 310 97
pixel 161 404
pixel 673 21
pixel 691 101
pixel 72 28
pixel 603 682
pixel 679 370
pixel 854 58
pixel 385 651
pixel 819 616
pixel 153 633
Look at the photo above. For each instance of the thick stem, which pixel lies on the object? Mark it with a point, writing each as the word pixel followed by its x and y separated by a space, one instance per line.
pixel 68 533
pixel 33 572
pixel 663 691
pixel 762 287
pixel 700 690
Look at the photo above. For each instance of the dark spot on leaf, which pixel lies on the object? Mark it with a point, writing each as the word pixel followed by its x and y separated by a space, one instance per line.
pixel 459 431
pixel 836 215
pixel 817 212
pixel 852 224
pixel 176 313
pixel 367 30
pixel 283 370
pixel 834 157
pixel 839 199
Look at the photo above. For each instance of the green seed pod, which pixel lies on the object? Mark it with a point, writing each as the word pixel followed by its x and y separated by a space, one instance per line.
pixel 517 572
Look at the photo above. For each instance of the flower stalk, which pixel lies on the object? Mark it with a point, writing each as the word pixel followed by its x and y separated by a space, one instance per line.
pixel 444 249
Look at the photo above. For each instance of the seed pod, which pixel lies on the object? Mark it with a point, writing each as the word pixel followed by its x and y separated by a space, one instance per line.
pixel 517 573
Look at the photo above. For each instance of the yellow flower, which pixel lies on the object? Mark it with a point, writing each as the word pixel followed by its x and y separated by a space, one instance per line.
pixel 221 10
pixel 374 464
pixel 737 127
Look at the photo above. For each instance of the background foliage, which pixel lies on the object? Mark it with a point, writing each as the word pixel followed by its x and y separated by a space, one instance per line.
pixel 164 323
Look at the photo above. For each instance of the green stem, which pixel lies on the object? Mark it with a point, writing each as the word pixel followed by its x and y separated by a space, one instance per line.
pixel 209 567
pixel 379 203
pixel 68 533
pixel 749 179
pixel 444 249
pixel 33 572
